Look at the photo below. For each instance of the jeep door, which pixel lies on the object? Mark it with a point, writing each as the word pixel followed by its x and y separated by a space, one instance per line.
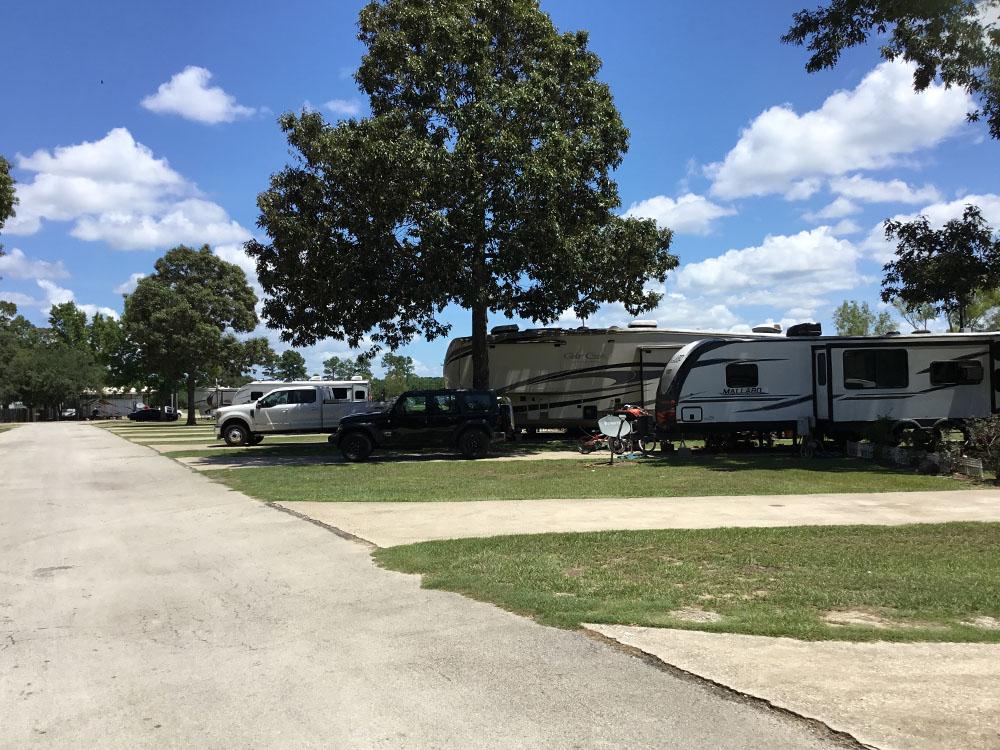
pixel 408 423
pixel 443 418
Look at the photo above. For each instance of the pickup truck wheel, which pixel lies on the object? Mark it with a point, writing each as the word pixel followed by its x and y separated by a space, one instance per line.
pixel 474 443
pixel 356 446
pixel 235 434
pixel 256 439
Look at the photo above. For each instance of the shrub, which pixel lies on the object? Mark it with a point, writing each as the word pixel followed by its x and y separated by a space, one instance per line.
pixel 984 442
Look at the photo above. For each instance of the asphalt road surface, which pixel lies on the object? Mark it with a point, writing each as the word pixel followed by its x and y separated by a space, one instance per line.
pixel 142 605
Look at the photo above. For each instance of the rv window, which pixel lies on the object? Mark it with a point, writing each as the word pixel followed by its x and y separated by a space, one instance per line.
pixel 360 395
pixel 741 375
pixel 821 368
pixel 304 396
pixel 875 368
pixel 254 395
pixel 340 394
pixel 956 373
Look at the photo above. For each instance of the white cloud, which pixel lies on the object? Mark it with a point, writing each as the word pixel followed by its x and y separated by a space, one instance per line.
pixel 17 265
pixel 937 214
pixel 675 311
pixel 115 190
pixel 57 295
pixel 869 127
pixel 688 214
pixel 127 287
pixel 19 299
pixel 859 188
pixel 188 94
pixel 793 270
pixel 192 222
pixel 839 208
pixel 344 107
pixel 845 226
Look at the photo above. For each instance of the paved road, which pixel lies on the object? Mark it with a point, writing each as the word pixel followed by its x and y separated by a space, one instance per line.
pixel 142 605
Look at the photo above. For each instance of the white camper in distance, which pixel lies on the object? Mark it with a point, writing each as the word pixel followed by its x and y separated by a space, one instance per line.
pixel 829 385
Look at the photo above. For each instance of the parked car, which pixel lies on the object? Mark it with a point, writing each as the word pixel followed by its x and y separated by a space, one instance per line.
pixel 469 421
pixel 68 414
pixel 151 414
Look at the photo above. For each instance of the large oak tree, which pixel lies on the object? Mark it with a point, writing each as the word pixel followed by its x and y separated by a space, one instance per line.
pixel 482 178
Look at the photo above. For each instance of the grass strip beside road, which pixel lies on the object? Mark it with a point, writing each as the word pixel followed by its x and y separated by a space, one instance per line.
pixel 416 480
pixel 7 427
pixel 914 583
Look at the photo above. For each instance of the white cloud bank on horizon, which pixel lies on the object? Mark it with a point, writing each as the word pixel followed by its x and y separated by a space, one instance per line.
pixel 17 265
pixel 188 95
pixel 117 191
pixel 869 127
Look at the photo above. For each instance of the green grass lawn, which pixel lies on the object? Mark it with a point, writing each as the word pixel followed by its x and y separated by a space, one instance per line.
pixel 417 480
pixel 921 580
pixel 6 427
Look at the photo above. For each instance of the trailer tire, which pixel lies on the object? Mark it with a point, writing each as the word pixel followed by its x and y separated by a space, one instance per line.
pixel 355 445
pixel 235 433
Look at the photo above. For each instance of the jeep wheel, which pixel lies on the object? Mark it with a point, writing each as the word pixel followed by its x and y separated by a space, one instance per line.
pixel 474 443
pixel 235 434
pixel 356 446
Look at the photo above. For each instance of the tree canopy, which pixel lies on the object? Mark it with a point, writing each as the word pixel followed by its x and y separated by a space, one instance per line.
pixel 290 365
pixel 858 319
pixel 482 178
pixel 8 197
pixel 946 38
pixel 345 368
pixel 181 321
pixel 944 267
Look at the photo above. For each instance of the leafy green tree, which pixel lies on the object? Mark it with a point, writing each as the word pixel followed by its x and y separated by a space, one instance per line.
pixel 398 372
pixel 858 319
pixel 69 325
pixel 942 267
pixel 482 178
pixel 944 38
pixel 291 366
pixel 16 333
pixel 181 320
pixel 345 368
pixel 918 317
pixel 52 373
pixel 982 314
pixel 8 197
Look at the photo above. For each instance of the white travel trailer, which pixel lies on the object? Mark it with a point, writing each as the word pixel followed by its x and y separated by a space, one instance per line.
pixel 829 385
pixel 355 389
pixel 557 377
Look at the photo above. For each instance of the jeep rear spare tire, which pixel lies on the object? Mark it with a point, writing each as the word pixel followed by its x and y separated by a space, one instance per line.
pixel 474 443
pixel 356 446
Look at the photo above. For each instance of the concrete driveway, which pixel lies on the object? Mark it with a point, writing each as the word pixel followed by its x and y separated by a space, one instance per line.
pixel 142 605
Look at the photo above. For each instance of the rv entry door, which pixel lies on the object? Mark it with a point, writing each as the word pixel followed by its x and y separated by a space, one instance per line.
pixel 821 383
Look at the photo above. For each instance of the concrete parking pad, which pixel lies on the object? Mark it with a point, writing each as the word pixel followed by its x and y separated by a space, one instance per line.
pixel 912 696
pixel 389 524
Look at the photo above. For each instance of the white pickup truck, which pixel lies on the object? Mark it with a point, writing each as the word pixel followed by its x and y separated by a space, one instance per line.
pixel 297 408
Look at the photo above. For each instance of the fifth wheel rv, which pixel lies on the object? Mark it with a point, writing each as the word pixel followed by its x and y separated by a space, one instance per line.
pixel 558 377
pixel 829 385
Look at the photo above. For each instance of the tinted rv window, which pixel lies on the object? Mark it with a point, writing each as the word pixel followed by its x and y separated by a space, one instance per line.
pixel 876 368
pixel 741 375
pixel 360 395
pixel 956 373
pixel 254 395
pixel 339 394
pixel 821 368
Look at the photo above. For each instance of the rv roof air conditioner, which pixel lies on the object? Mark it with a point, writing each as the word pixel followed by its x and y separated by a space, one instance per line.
pixel 504 329
pixel 805 329
pixel 767 328
pixel 642 324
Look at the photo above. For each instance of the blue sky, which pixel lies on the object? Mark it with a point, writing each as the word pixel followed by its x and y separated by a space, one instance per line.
pixel 134 127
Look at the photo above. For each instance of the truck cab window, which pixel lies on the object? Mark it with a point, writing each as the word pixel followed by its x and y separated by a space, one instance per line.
pixel 741 375
pixel 956 373
pixel 875 368
pixel 275 398
pixel 303 396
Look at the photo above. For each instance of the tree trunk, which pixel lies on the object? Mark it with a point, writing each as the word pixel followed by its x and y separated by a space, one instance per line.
pixel 480 351
pixel 190 407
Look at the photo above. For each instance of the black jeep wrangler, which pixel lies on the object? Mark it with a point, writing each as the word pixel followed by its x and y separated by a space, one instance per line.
pixel 467 420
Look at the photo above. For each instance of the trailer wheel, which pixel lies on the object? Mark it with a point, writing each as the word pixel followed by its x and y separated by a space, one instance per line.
pixel 474 443
pixel 235 434
pixel 356 446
